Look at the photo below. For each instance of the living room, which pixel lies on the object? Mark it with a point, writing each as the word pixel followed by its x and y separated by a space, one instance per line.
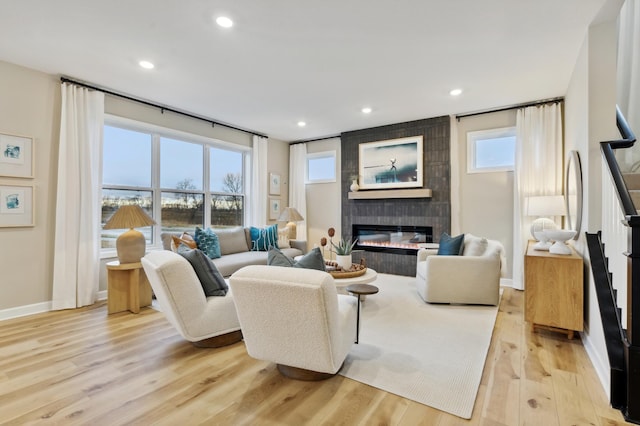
pixel 30 106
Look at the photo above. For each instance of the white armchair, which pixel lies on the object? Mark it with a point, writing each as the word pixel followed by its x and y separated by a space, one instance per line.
pixel 472 278
pixel 294 318
pixel 204 321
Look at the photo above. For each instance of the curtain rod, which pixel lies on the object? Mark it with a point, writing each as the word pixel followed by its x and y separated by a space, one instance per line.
pixel 524 105
pixel 162 108
pixel 314 140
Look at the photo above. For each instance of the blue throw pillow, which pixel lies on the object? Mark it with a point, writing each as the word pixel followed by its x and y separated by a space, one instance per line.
pixel 276 257
pixel 212 281
pixel 262 239
pixel 207 241
pixel 451 246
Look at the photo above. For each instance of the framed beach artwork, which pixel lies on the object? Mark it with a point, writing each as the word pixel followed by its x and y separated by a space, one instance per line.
pixel 393 163
pixel 274 184
pixel 16 156
pixel 274 208
pixel 16 206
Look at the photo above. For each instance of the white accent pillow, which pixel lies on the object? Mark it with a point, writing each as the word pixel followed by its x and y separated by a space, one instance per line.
pixel 474 246
pixel 283 238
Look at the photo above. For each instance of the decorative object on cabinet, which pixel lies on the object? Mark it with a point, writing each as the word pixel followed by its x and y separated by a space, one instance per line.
pixel 291 216
pixel 544 207
pixel 130 245
pixel 559 237
pixel 16 156
pixel 394 163
pixel 554 291
pixel 16 206
pixel 573 193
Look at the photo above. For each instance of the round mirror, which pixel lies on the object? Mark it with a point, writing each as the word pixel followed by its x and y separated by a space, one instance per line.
pixel 573 193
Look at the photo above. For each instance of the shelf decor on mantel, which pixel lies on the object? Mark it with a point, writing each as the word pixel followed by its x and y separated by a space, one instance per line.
pixel 396 193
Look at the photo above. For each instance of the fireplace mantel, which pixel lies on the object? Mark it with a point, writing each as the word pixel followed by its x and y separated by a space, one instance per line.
pixel 390 193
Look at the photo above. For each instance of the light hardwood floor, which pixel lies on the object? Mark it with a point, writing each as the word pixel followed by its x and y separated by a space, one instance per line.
pixel 85 367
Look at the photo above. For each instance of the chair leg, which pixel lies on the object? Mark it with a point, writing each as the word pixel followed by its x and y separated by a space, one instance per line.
pixel 219 341
pixel 302 374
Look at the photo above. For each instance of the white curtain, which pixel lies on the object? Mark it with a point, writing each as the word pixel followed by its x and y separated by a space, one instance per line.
pixel 539 165
pixel 259 181
pixel 76 263
pixel 455 176
pixel 297 187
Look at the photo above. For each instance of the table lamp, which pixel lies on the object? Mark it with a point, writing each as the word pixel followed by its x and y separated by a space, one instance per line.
pixel 544 207
pixel 291 215
pixel 131 244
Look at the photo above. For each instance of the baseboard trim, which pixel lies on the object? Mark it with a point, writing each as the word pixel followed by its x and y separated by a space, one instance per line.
pixel 506 282
pixel 21 311
pixel 601 366
pixel 37 308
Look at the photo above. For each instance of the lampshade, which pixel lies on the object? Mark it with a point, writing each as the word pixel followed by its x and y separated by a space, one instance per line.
pixel 544 207
pixel 291 215
pixel 131 244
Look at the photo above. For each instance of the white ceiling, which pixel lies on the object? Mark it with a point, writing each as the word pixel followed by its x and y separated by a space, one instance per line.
pixel 321 62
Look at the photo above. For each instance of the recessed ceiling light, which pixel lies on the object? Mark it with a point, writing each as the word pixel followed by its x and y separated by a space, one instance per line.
pixel 301 124
pixel 146 65
pixel 455 92
pixel 366 110
pixel 224 22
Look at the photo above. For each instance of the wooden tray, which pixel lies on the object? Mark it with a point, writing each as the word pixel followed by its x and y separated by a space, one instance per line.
pixel 348 274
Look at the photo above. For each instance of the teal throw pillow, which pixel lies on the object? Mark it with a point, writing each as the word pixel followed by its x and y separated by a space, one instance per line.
pixel 262 239
pixel 451 246
pixel 311 260
pixel 212 281
pixel 207 241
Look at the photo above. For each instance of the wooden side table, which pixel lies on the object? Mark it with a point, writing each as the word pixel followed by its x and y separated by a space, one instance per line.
pixel 128 287
pixel 553 290
pixel 360 290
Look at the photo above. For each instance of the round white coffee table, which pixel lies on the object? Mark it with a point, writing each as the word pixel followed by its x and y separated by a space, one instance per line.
pixel 368 277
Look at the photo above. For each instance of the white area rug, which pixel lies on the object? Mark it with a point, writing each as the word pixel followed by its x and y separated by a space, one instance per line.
pixel 432 354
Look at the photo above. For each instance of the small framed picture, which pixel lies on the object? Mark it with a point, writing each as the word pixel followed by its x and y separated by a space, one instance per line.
pixel 16 156
pixel 274 184
pixel 274 208
pixel 16 206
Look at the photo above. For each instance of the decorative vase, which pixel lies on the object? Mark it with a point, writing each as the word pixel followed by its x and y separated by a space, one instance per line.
pixel 354 185
pixel 344 261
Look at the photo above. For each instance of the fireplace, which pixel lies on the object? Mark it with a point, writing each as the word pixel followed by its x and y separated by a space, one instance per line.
pixel 391 238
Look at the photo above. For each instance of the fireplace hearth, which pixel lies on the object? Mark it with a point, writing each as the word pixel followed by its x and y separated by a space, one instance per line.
pixel 396 239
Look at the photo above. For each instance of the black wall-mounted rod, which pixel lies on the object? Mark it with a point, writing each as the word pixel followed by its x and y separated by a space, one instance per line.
pixel 324 138
pixel 162 108
pixel 525 105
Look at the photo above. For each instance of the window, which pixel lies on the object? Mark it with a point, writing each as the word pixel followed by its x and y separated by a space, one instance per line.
pixel 173 176
pixel 321 167
pixel 491 150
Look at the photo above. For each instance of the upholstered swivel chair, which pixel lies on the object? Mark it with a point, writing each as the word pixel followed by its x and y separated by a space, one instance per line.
pixel 294 318
pixel 471 278
pixel 204 321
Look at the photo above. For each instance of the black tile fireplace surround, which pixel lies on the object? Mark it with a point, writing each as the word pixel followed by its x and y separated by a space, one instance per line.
pixel 396 239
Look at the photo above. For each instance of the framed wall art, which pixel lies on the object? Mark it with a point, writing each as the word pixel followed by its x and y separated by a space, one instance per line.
pixel 393 163
pixel 16 156
pixel 16 206
pixel 274 184
pixel 274 208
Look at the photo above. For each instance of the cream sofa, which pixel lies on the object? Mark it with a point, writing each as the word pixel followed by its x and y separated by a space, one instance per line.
pixel 235 246
pixel 472 278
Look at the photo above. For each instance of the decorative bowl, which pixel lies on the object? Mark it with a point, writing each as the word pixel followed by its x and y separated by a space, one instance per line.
pixel 560 236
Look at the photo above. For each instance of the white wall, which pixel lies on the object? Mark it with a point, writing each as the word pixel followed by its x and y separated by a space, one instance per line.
pixel 486 199
pixel 30 106
pixel 589 119
pixel 324 206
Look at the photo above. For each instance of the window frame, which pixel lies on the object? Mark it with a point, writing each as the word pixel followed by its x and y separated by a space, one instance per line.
pixel 323 154
pixel 475 136
pixel 157 133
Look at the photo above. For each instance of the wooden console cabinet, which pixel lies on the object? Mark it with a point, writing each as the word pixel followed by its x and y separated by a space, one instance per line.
pixel 553 290
pixel 128 287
